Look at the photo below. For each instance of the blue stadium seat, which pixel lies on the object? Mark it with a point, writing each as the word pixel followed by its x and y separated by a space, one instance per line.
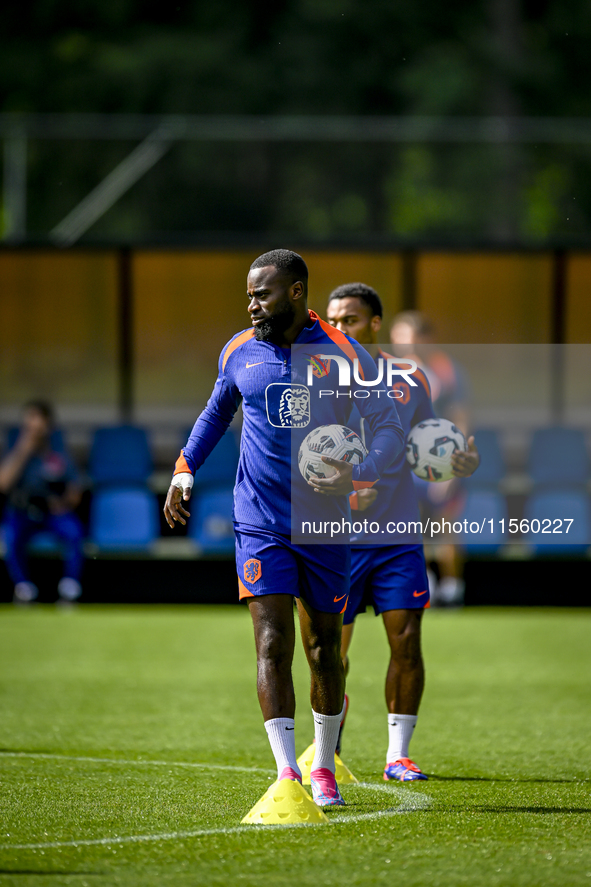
pixel 492 466
pixel 480 508
pixel 120 454
pixel 550 506
pixel 211 525
pixel 219 469
pixel 558 456
pixel 123 519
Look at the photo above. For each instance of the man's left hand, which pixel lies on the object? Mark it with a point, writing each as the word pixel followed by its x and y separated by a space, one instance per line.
pixel 340 484
pixel 464 464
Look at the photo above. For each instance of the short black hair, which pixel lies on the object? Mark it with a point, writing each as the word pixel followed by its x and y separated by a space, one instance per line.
pixel 43 407
pixel 359 291
pixel 284 260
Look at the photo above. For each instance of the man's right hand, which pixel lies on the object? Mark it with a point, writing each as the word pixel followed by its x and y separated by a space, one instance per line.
pixel 32 435
pixel 366 497
pixel 178 492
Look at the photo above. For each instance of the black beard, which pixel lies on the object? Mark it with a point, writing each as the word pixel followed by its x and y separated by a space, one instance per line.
pixel 272 329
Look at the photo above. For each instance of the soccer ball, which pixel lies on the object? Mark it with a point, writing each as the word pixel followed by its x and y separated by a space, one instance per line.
pixel 429 448
pixel 336 441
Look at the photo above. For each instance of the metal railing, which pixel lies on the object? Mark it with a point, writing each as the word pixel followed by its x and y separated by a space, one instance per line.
pixel 157 133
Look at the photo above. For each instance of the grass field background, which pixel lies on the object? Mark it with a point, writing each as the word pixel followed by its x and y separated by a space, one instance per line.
pixel 117 726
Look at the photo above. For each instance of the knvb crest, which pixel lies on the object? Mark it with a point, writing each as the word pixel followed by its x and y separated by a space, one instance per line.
pixel 288 406
pixel 252 570
pixel 320 365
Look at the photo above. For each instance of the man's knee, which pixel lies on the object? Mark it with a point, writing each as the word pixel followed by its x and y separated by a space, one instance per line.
pixel 325 653
pixel 408 654
pixel 272 645
pixel 273 631
pixel 404 636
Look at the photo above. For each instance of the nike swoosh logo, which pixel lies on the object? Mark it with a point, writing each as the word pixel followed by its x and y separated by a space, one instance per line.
pixel 249 365
pixel 337 599
pixel 419 593
pixel 290 728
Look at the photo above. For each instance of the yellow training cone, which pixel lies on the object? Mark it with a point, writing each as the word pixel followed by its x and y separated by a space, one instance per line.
pixel 285 802
pixel 342 773
pixel 305 763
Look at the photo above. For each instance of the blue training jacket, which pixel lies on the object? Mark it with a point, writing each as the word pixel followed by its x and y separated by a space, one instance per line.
pixel 285 394
pixel 397 498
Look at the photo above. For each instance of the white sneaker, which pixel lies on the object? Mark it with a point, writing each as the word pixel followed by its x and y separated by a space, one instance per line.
pixel 69 589
pixel 25 592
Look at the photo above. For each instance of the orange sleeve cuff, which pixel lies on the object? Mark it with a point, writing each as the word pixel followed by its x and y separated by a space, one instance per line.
pixel 181 466
pixel 354 501
pixel 363 484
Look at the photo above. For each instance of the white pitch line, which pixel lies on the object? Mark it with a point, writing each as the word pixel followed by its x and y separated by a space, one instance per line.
pixel 120 761
pixel 123 839
pixel 411 802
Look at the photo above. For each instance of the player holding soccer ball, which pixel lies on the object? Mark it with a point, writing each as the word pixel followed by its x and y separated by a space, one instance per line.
pixel 392 577
pixel 255 370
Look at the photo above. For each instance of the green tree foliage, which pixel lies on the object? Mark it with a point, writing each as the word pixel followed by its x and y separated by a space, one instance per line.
pixel 319 57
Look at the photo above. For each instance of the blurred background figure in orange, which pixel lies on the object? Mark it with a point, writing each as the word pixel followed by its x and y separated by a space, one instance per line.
pixel 41 484
pixel 413 334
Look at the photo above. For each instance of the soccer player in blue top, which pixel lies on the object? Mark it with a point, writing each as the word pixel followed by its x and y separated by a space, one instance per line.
pixel 255 369
pixel 392 578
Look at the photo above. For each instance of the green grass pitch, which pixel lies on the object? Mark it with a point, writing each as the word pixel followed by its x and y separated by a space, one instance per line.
pixel 132 746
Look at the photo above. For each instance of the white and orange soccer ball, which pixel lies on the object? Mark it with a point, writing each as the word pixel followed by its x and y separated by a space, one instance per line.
pixel 336 441
pixel 430 446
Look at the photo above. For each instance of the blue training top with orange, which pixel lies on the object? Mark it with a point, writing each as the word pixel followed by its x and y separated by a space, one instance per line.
pixel 397 498
pixel 280 408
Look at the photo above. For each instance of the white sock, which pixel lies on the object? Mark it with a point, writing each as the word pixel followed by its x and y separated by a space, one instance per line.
pixel 451 590
pixel 282 738
pixel 400 730
pixel 326 732
pixel 432 580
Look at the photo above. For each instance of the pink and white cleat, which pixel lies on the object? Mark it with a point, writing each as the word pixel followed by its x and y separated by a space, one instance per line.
pixel 325 790
pixel 290 773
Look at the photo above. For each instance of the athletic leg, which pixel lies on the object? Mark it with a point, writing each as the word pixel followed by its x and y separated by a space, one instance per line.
pixel 69 531
pixel 346 638
pixel 274 633
pixel 405 681
pixel 68 528
pixel 18 530
pixel 361 566
pixel 321 637
pixel 451 587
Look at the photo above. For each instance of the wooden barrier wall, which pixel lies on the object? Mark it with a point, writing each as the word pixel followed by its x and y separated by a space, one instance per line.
pixel 61 312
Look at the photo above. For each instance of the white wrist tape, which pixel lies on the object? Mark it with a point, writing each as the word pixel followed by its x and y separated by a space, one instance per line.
pixel 183 481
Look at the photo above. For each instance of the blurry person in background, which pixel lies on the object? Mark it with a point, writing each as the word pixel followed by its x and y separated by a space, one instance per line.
pixel 413 334
pixel 41 485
